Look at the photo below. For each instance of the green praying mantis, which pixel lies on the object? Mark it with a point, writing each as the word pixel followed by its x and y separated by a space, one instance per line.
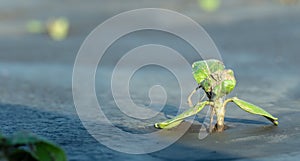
pixel 217 82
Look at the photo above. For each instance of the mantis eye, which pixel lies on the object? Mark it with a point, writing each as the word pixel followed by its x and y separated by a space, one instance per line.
pixel 228 82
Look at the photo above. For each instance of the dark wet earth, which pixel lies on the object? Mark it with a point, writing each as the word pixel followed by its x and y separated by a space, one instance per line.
pixel 261 44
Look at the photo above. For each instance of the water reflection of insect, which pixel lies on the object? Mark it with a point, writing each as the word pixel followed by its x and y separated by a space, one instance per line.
pixel 217 82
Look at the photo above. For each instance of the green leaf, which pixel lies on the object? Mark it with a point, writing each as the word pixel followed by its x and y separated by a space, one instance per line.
pixel 21 154
pixel 46 151
pixel 178 119
pixel 202 69
pixel 40 148
pixel 22 138
pixel 1 139
pixel 254 110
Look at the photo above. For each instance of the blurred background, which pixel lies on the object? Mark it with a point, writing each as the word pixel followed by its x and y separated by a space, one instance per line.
pixel 228 22
pixel 244 31
pixel 39 41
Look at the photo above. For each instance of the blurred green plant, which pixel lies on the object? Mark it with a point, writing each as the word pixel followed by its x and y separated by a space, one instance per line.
pixel 217 82
pixel 35 27
pixel 24 146
pixel 56 28
pixel 209 5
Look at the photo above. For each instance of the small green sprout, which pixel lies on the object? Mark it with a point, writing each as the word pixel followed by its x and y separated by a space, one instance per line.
pixel 24 146
pixel 217 82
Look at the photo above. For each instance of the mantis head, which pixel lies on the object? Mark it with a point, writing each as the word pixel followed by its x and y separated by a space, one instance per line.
pixel 212 76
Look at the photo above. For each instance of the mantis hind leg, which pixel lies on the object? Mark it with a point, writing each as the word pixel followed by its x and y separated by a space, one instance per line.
pixel 178 119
